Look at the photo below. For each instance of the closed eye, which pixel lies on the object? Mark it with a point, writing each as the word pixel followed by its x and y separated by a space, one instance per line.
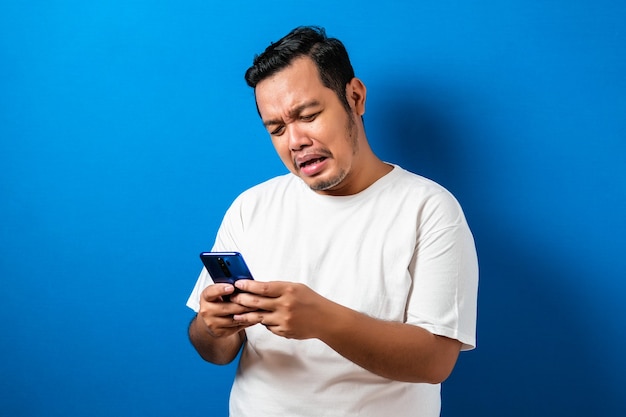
pixel 309 117
pixel 278 130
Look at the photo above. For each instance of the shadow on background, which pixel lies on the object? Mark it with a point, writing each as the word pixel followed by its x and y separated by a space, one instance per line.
pixel 536 354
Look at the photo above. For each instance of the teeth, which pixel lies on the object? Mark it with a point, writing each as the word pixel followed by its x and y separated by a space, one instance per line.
pixel 312 161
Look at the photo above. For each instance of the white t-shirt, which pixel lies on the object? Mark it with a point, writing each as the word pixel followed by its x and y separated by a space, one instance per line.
pixel 400 250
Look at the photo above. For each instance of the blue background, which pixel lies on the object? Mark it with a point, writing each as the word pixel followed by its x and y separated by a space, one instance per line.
pixel 126 130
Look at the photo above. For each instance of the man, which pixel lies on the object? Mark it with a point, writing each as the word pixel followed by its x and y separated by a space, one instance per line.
pixel 366 274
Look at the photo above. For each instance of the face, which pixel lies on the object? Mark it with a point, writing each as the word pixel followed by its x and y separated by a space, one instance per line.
pixel 314 135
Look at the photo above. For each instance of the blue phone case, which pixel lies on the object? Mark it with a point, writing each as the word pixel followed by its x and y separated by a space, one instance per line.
pixel 225 267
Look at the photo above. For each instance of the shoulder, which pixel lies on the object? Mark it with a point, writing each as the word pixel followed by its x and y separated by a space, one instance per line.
pixel 414 185
pixel 270 187
pixel 266 193
pixel 425 195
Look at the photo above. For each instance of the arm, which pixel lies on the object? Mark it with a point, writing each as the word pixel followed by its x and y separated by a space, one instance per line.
pixel 213 333
pixel 219 351
pixel 397 351
pixel 393 350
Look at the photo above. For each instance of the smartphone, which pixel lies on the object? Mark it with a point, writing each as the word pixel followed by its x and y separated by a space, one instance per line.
pixel 225 267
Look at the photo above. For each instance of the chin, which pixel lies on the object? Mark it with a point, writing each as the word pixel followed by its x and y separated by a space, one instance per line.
pixel 327 184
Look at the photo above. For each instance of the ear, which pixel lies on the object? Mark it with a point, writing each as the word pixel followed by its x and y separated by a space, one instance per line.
pixel 355 94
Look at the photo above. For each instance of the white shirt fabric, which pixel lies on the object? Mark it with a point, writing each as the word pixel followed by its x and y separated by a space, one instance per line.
pixel 400 250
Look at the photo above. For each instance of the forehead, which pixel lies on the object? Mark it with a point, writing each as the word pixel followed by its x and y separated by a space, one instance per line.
pixel 290 87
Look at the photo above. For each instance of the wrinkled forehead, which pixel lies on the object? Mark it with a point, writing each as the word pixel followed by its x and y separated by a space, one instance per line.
pixel 289 89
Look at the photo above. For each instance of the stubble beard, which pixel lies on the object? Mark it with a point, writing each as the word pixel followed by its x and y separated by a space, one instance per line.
pixel 330 183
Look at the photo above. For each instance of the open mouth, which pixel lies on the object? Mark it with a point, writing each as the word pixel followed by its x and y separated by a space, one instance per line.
pixel 312 161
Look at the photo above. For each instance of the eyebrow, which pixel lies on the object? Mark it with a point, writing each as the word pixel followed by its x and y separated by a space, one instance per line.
pixel 293 112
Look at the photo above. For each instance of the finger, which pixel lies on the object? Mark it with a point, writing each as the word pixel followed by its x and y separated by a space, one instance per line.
pixel 219 320
pixel 225 327
pixel 254 302
pixel 232 323
pixel 266 289
pixel 222 309
pixel 215 291
pixel 251 318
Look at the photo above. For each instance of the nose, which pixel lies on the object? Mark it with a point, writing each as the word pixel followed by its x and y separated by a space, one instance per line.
pixel 298 137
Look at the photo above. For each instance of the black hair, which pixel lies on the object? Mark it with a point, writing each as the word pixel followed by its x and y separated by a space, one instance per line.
pixel 328 54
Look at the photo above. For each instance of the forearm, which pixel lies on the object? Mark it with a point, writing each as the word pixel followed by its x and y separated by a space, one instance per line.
pixel 217 350
pixel 393 350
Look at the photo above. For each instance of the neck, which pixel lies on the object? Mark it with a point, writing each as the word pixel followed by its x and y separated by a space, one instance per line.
pixel 361 177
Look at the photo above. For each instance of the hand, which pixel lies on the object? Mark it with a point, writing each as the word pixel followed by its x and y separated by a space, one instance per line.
pixel 217 314
pixel 286 309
